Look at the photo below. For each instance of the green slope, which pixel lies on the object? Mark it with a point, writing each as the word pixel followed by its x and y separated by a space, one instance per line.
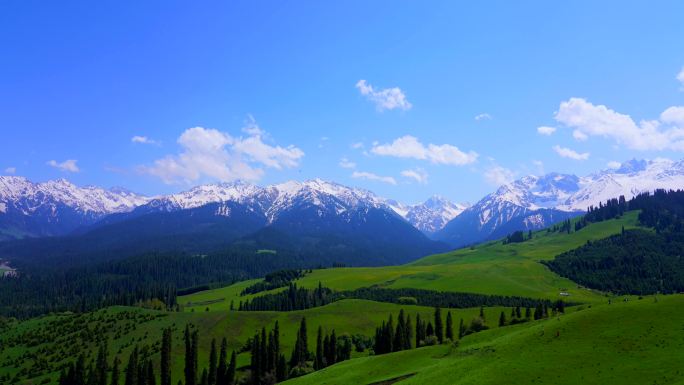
pixel 68 334
pixel 638 342
pixel 491 268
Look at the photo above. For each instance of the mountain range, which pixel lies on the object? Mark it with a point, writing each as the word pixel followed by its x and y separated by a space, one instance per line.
pixel 311 215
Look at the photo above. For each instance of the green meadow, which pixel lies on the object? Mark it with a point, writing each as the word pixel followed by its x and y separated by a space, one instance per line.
pixel 593 343
pixel 635 342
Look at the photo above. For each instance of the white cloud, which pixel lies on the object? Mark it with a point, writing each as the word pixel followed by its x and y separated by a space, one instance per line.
pixel 546 130
pixel 252 128
pixel 10 170
pixel 613 164
pixel 598 120
pixel 357 145
pixel 539 165
pixel 410 147
pixel 680 77
pixel 497 175
pixel 143 140
pixel 568 153
pixel 579 135
pixel 418 174
pixel 375 177
pixel 384 99
pixel 209 153
pixel 483 116
pixel 346 163
pixel 68 165
pixel 673 115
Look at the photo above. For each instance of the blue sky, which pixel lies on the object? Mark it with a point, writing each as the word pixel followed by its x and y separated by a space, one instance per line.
pixel 272 91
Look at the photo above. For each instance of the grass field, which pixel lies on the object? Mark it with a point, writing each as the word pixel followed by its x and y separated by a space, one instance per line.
pixel 637 342
pixel 596 345
pixel 346 316
pixel 491 268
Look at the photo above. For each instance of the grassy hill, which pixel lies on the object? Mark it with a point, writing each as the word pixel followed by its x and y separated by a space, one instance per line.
pixel 637 342
pixel 521 353
pixel 68 334
pixel 491 268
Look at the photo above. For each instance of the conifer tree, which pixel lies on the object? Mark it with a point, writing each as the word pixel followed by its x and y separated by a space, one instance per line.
pixel 205 377
pixel 429 330
pixel 132 368
pixel 189 373
pixel 318 365
pixel 115 372
pixel 439 329
pixel 461 329
pixel 213 358
pixel 449 327
pixel 230 373
pixel 101 365
pixel 151 379
pixel 502 319
pixel 408 330
pixel 165 364
pixel 222 364
pixel 281 369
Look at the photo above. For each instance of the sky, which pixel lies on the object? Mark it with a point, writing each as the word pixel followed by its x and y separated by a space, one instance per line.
pixel 407 99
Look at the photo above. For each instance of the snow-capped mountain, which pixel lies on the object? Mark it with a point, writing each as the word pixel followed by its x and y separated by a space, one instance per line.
pixel 534 202
pixel 429 216
pixel 631 178
pixel 56 207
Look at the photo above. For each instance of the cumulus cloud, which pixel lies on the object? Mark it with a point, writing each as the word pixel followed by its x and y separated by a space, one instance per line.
pixel 483 116
pixel 210 153
pixel 613 164
pixel 498 175
pixel 143 140
pixel 346 163
pixel 384 99
pixel 410 147
pixel 374 177
pixel 10 170
pixel 68 165
pixel 546 130
pixel 568 153
pixel 589 120
pixel 418 174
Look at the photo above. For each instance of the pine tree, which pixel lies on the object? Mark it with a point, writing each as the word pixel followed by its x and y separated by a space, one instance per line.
pixel 461 329
pixel 150 374
pixel 300 353
pixel 189 373
pixel 429 330
pixel 165 364
pixel 420 331
pixel 408 330
pixel 132 368
pixel 211 376
pixel 195 356
pixel 115 371
pixel 400 333
pixel 205 377
pixel 101 365
pixel 518 313
pixel 318 364
pixel 222 364
pixel 528 313
pixel 439 329
pixel 230 373
pixel 502 319
pixel 482 314
pixel 281 369
pixel 449 327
